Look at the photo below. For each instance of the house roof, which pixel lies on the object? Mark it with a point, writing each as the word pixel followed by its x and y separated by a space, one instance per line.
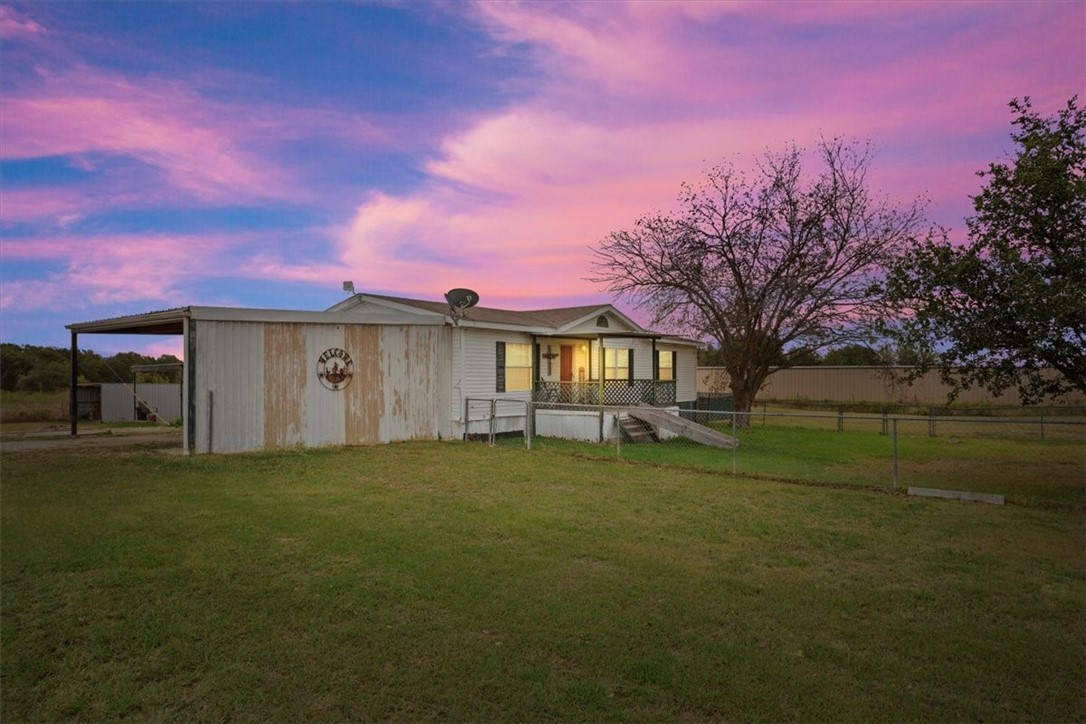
pixel 559 321
pixel 555 318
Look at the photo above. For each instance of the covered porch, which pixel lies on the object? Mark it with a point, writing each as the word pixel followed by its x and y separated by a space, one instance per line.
pixel 606 368
pixel 608 392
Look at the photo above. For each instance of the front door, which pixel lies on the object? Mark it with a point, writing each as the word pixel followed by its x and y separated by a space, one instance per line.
pixel 566 366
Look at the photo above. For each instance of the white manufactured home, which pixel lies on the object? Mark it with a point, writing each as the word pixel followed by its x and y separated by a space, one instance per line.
pixel 377 368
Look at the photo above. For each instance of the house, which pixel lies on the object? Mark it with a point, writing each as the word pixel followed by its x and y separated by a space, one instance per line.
pixel 377 368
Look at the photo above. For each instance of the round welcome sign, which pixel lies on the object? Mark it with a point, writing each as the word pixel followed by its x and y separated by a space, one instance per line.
pixel 335 368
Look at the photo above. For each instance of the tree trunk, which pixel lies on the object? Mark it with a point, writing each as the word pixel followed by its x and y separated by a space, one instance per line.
pixel 743 392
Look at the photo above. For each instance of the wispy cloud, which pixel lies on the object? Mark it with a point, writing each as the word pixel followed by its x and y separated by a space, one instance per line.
pixel 638 97
pixel 153 269
pixel 14 24
pixel 622 103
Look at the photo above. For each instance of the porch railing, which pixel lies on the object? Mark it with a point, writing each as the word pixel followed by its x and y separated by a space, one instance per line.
pixel 615 392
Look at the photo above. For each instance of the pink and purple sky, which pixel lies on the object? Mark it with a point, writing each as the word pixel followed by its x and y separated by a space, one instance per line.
pixel 259 154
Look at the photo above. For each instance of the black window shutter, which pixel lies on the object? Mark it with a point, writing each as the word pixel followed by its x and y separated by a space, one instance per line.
pixel 500 369
pixel 629 357
pixel 674 366
pixel 656 364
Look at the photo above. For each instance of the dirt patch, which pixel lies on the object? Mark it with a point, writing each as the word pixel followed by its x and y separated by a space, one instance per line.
pixel 56 437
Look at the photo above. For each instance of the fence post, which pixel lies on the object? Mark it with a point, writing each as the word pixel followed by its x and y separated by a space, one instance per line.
pixel 895 455
pixel 1042 427
pixel 735 447
pixel 840 418
pixel 931 421
pixel 210 420
pixel 885 422
pixel 467 405
pixel 528 424
pixel 618 438
pixel 493 412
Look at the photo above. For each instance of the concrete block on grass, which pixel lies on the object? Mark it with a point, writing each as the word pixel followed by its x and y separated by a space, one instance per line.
pixel 991 498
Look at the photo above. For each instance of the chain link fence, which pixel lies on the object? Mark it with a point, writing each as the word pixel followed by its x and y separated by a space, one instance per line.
pixel 1038 460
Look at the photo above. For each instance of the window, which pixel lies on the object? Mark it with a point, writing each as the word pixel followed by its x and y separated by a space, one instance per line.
pixel 665 360
pixel 601 321
pixel 514 367
pixel 616 364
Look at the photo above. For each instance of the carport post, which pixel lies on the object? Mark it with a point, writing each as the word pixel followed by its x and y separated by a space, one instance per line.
pixel 73 398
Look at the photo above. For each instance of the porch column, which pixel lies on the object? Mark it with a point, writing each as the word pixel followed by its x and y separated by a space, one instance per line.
pixel 655 370
pixel 603 371
pixel 73 397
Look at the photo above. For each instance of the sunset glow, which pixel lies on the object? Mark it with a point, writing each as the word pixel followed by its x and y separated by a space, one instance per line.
pixel 259 154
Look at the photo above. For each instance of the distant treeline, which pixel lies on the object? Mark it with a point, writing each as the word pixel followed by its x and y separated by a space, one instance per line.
pixel 29 368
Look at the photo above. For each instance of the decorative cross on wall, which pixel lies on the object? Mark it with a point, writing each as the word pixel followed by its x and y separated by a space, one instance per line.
pixel 549 356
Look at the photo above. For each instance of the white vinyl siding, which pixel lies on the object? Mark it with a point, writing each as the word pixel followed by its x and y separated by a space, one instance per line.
pixel 474 371
pixel 686 373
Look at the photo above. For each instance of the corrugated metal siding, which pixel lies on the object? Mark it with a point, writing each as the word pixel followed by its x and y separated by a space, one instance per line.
pixel 284 374
pixel 231 367
pixel 458 338
pixel 119 404
pixel 164 398
pixel 365 398
pixel 267 393
pixel 855 384
pixel 415 368
pixel 324 408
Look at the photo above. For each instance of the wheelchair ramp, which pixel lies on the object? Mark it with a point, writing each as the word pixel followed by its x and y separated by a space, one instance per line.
pixel 691 430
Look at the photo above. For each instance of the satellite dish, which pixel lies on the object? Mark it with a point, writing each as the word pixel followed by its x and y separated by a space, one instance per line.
pixel 461 299
pixel 348 287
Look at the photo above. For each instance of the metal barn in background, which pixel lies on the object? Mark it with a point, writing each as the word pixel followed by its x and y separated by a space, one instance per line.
pixel 120 402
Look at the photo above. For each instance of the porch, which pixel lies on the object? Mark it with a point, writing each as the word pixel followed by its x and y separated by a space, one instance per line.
pixel 613 392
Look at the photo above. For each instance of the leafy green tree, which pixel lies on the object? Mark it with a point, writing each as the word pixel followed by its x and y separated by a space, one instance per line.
pixel 771 267
pixel 50 375
pixel 15 362
pixel 47 369
pixel 1007 310
pixel 854 355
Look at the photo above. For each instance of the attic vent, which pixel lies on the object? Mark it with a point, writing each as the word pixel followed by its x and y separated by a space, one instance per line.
pixel 601 321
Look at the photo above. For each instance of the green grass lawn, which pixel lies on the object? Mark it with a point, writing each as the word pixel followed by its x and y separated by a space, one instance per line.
pixel 973 457
pixel 455 581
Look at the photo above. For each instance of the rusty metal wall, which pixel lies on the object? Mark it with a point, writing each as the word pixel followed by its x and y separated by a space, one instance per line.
pixel 416 370
pixel 257 385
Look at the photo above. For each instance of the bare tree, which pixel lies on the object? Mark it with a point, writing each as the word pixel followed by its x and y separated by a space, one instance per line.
pixel 770 268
